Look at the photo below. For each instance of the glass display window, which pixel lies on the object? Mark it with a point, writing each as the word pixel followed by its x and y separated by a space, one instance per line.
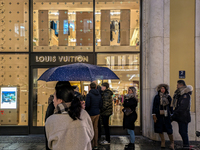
pixel 117 26
pixel 127 68
pixel 63 26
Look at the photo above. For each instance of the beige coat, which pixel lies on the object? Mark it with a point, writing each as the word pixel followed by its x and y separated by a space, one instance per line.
pixel 63 133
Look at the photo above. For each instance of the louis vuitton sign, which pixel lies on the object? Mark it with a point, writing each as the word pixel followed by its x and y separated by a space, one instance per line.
pixel 59 59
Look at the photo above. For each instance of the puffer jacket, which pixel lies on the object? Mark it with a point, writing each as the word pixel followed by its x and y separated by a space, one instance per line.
pixel 107 108
pixel 182 110
pixel 93 102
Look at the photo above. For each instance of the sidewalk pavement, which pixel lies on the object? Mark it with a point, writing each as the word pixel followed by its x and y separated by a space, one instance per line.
pixel 37 142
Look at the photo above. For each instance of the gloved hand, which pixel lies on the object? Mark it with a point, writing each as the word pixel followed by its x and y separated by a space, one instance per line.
pixel 154 118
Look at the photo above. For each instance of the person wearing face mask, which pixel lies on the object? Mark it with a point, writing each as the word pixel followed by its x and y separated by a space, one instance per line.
pixel 130 116
pixel 161 114
pixel 70 127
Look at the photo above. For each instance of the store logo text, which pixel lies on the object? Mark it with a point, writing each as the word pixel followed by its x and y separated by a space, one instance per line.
pixel 78 58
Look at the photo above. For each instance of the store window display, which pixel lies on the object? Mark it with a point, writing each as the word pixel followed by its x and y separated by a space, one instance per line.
pixel 14 89
pixel 117 25
pixel 63 26
pixel 126 67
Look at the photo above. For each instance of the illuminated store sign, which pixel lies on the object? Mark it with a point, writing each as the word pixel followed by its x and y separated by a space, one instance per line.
pixel 59 59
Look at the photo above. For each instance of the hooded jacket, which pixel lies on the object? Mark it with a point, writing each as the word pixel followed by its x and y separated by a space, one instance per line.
pixel 107 108
pixel 182 109
pixel 93 102
pixel 64 133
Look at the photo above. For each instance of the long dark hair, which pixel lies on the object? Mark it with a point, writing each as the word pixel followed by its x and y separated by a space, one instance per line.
pixel 66 93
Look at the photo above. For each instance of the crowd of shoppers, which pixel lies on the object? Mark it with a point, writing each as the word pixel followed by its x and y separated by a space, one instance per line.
pixel 73 121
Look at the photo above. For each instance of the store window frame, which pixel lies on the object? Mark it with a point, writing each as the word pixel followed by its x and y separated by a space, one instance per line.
pixel 30 129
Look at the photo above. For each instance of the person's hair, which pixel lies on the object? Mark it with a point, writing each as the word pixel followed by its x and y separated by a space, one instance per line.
pixel 105 84
pixel 93 85
pixel 66 93
pixel 63 83
pixel 166 90
pixel 85 91
pixel 182 82
pixel 133 89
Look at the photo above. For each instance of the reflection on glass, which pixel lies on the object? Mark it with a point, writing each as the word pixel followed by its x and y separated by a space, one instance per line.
pixel 126 67
pixel 62 26
pixel 117 24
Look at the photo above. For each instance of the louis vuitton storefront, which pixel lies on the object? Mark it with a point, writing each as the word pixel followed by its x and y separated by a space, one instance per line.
pixel 39 34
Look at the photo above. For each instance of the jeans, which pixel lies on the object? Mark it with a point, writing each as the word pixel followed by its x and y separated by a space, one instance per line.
pixel 105 120
pixel 183 131
pixel 132 135
pixel 95 120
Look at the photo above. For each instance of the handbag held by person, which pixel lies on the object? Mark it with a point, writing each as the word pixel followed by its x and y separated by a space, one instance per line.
pixel 127 111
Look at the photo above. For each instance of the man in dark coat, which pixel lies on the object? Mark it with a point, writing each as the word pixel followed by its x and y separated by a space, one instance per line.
pixel 181 104
pixel 106 110
pixel 93 105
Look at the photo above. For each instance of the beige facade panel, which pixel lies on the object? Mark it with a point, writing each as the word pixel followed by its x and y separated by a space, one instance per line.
pixel 43 28
pixel 63 32
pixel 105 27
pixel 125 27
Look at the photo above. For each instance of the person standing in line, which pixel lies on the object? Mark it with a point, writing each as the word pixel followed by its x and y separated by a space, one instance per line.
pixel 70 127
pixel 106 110
pixel 181 104
pixel 79 96
pixel 93 104
pixel 84 95
pixel 161 113
pixel 130 115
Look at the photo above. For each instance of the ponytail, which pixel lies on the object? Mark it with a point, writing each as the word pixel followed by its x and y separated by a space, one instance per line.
pixel 75 109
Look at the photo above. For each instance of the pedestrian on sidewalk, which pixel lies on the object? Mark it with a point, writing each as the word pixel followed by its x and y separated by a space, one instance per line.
pixel 50 108
pixel 181 104
pixel 70 127
pixel 130 115
pixel 106 110
pixel 93 105
pixel 161 114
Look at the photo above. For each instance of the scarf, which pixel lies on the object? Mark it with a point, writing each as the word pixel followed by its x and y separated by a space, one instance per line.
pixel 164 99
pixel 128 96
pixel 177 93
pixel 62 108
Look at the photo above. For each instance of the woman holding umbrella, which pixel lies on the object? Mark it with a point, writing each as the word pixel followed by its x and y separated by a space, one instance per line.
pixel 68 118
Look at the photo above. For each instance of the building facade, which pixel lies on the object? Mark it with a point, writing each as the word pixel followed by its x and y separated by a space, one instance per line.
pixel 145 42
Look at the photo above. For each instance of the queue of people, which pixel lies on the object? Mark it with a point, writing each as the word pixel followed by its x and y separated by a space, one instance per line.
pixel 74 121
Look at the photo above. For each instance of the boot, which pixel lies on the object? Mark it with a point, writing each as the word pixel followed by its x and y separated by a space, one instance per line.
pixel 162 140
pixel 171 138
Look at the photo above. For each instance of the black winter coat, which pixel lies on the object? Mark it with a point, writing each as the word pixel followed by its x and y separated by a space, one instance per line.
pixel 93 102
pixel 163 124
pixel 49 112
pixel 107 108
pixel 182 111
pixel 129 121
